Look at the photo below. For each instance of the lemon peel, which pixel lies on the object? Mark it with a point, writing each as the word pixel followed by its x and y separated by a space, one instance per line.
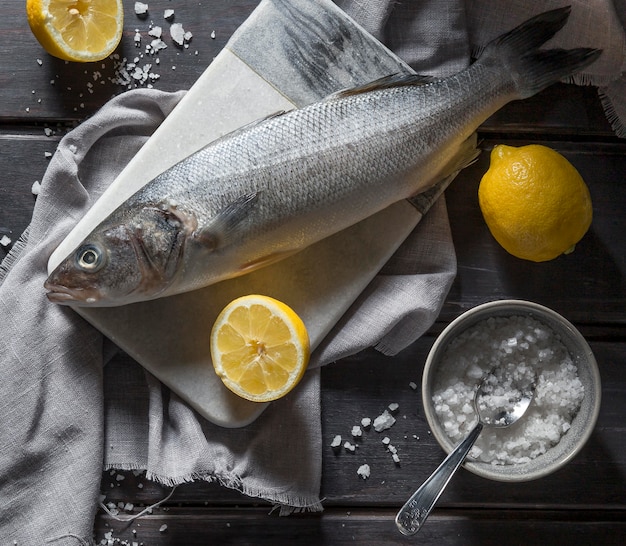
pixel 260 348
pixel 534 202
pixel 77 30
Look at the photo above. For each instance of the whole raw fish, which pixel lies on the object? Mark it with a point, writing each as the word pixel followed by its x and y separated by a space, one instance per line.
pixel 278 185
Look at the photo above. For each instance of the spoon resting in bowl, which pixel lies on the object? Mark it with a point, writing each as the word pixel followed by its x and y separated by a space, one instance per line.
pixel 501 398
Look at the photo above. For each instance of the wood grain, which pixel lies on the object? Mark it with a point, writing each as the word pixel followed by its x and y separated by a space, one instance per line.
pixel 584 503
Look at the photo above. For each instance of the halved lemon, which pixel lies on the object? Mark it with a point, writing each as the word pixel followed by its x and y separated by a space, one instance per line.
pixel 77 30
pixel 260 348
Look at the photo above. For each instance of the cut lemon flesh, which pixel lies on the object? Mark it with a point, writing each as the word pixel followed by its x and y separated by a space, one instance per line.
pixel 77 30
pixel 259 347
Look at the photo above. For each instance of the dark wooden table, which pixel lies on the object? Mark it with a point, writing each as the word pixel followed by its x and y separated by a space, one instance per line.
pixel 41 98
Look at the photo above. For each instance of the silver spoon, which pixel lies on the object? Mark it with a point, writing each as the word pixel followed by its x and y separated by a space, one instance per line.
pixel 501 399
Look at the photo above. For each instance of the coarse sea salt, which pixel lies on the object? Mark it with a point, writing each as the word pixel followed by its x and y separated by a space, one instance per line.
pixel 514 342
pixel 364 471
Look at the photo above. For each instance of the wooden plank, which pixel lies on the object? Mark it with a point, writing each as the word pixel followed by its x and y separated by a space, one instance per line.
pixel 22 162
pixel 363 386
pixel 37 86
pixel 586 286
pixel 193 526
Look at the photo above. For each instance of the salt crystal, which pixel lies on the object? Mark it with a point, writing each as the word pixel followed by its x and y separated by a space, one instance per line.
pixel 413 385
pixel 163 528
pixel 336 441
pixel 364 471
pixel 356 431
pixel 39 62
pixel 141 9
pixel 177 33
pixel 213 35
pixel 5 241
pixel 386 440
pixel 366 422
pixel 520 344
pixel 168 14
pixel 35 188
pixel 156 32
pixel 156 45
pixel 393 407
pixel 349 447
pixel 384 421
pixel 396 458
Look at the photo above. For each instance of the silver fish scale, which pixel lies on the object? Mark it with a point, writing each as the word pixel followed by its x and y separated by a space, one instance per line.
pixel 357 148
pixel 317 170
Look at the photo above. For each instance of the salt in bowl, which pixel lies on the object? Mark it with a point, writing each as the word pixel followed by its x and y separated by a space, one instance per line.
pixel 582 424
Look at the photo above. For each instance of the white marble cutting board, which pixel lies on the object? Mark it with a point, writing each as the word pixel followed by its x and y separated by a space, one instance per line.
pixel 170 336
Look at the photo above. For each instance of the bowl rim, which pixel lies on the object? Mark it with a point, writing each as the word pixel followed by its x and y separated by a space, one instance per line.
pixel 510 307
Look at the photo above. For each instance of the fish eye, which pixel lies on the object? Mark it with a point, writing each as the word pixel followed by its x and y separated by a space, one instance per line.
pixel 90 258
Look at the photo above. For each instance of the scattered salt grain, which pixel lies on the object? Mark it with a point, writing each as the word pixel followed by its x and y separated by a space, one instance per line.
pixel 413 385
pixel 35 188
pixel 396 458
pixel 47 155
pixel 141 9
pixel 39 62
pixel 386 440
pixel 168 14
pixel 356 431
pixel 349 447
pixel 163 528
pixel 393 407
pixel 336 441
pixel 5 241
pixel 155 46
pixel 364 471
pixel 518 344
pixel 366 422
pixel 384 421
pixel 156 32
pixel 177 33
pixel 213 35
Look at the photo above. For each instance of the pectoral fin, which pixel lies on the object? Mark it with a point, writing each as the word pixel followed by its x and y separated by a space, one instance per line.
pixel 265 260
pixel 225 223
pixel 467 154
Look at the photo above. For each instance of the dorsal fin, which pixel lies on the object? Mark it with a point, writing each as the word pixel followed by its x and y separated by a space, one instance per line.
pixel 386 82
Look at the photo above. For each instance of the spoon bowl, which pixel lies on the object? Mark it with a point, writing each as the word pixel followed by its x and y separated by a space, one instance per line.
pixel 501 399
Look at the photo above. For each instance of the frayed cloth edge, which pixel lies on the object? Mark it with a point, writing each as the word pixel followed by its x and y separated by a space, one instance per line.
pixel 610 112
pixel 13 255
pixel 286 504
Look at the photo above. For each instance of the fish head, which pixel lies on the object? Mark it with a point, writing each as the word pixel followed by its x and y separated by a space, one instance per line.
pixel 121 263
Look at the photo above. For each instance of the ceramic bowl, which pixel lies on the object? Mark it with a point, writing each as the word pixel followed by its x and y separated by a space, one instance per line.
pixel 583 423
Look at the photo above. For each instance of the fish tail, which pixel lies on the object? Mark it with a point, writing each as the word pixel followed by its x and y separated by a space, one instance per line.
pixel 533 69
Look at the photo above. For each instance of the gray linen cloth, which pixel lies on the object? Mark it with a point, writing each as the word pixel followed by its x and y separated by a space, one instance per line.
pixel 72 405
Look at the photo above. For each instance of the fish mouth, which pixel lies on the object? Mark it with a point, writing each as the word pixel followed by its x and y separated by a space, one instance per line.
pixel 62 294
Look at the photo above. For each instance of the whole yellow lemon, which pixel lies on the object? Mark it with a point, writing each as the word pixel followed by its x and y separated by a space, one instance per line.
pixel 535 203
